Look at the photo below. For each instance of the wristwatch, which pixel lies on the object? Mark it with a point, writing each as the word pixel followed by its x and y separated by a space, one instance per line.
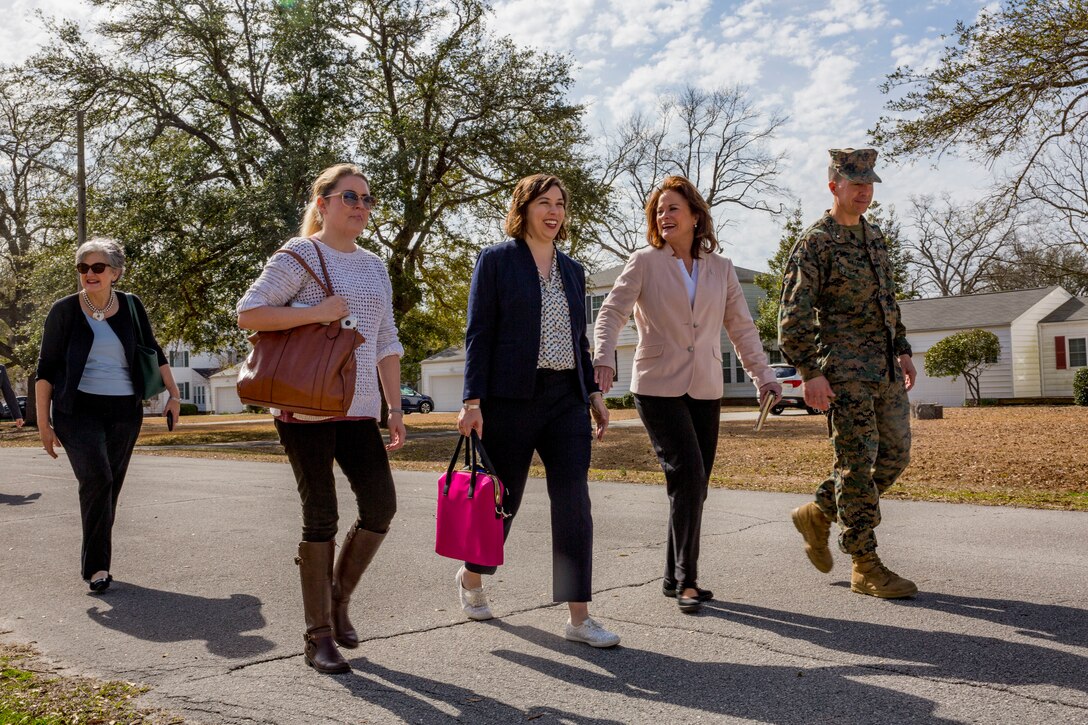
pixel 471 406
pixel 396 410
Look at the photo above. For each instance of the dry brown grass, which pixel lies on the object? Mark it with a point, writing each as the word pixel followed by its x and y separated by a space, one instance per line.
pixel 1027 456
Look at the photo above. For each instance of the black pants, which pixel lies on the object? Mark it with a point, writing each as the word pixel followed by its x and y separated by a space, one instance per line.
pixel 555 424
pixel 358 447
pixel 98 437
pixel 684 434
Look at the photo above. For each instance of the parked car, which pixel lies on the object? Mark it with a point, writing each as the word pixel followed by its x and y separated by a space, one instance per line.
pixel 793 389
pixel 414 401
pixel 6 414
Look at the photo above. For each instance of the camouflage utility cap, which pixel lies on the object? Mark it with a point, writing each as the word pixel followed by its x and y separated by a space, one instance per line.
pixel 855 164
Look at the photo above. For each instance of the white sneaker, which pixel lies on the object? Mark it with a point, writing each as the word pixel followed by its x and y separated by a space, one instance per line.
pixel 592 633
pixel 473 601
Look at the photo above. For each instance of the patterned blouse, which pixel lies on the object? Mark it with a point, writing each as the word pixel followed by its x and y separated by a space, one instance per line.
pixel 556 345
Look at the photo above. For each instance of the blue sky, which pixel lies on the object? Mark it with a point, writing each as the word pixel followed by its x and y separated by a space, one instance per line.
pixel 820 62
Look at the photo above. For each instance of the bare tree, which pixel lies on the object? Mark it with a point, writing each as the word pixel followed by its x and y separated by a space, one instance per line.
pixel 1058 185
pixel 953 246
pixel 718 139
pixel 1040 264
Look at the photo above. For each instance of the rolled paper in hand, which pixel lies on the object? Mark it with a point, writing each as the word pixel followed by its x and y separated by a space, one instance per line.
pixel 764 409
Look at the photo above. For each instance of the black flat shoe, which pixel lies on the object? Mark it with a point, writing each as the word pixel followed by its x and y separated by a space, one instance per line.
pixel 101 585
pixel 688 605
pixel 669 590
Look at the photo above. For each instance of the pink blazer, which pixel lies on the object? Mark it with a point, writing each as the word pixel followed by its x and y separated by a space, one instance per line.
pixel 679 348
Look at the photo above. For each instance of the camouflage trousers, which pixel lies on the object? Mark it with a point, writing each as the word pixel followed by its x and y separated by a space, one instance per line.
pixel 869 426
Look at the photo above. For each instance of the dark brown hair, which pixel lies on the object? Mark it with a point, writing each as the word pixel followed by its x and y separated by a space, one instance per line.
pixel 525 192
pixel 704 240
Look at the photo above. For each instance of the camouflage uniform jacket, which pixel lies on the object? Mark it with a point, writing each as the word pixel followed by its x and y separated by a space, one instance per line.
pixel 838 315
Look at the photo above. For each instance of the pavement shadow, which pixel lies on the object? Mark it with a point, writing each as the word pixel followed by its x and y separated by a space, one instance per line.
pixel 764 693
pixel 414 701
pixel 941 654
pixel 159 616
pixel 16 499
pixel 1050 622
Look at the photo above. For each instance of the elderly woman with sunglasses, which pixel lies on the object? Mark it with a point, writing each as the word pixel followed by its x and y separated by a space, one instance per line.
pixel 86 395
pixel 286 296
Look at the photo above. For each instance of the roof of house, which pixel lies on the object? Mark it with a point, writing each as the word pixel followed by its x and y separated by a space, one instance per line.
pixel 450 354
pixel 231 372
pixel 1075 308
pixel 607 277
pixel 206 372
pixel 987 309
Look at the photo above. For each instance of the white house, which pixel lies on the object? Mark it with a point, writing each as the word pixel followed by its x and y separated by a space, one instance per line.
pixel 443 374
pixel 193 372
pixel 1030 325
pixel 223 391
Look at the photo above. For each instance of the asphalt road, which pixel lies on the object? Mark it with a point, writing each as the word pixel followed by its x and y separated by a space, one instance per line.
pixel 206 610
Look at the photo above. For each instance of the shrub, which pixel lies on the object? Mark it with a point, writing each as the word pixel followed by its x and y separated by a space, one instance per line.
pixel 628 400
pixel 1080 387
pixel 189 409
pixel 625 401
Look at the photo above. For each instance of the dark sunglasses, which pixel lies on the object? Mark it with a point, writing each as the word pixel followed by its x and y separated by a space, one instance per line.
pixel 353 200
pixel 97 267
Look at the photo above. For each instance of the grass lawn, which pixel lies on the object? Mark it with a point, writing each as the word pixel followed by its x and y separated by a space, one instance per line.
pixel 1025 456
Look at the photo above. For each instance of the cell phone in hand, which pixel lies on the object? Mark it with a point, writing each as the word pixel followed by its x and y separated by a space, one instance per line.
pixel 169 420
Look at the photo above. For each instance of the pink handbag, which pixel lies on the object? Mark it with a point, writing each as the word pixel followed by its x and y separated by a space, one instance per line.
pixel 469 523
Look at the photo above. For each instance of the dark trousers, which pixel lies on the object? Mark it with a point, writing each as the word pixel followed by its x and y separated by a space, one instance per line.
pixel 357 446
pixel 98 437
pixel 684 434
pixel 555 424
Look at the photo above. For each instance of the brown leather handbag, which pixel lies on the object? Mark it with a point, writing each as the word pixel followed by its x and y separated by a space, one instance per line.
pixel 309 369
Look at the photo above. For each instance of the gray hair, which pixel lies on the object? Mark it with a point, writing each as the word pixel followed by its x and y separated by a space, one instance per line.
pixel 833 174
pixel 105 246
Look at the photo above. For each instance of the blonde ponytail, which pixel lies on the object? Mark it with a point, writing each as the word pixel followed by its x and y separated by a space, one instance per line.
pixel 323 184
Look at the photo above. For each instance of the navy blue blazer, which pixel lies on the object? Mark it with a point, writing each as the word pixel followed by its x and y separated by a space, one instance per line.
pixel 502 341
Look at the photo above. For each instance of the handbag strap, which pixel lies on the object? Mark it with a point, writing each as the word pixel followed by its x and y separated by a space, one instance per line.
pixel 470 463
pixel 326 284
pixel 453 462
pixel 135 320
pixel 478 445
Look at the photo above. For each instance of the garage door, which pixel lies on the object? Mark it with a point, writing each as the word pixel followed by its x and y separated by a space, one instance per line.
pixel 226 399
pixel 936 390
pixel 446 391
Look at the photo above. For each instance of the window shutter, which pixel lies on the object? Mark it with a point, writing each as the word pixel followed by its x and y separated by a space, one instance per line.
pixel 1059 351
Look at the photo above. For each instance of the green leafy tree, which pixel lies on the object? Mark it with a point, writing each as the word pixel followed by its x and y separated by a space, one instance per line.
pixel 1011 83
pixel 221 114
pixel 966 353
pixel 1080 387
pixel 898 250
pixel 771 281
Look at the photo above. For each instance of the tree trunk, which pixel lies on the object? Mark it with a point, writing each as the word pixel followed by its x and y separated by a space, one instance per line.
pixel 31 417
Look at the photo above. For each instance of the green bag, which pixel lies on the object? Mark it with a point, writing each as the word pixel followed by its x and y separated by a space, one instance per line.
pixel 147 360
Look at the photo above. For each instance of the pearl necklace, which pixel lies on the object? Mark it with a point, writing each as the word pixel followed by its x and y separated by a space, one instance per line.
pixel 99 314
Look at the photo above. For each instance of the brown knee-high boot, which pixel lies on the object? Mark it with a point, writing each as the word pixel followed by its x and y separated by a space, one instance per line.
pixel 359 548
pixel 315 568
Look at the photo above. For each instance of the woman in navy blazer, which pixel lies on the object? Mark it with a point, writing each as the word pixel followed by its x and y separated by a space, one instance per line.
pixel 529 375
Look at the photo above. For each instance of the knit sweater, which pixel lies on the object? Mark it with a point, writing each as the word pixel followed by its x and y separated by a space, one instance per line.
pixel 360 278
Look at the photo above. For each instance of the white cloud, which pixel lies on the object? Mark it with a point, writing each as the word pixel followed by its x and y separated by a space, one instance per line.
pixel 22 33
pixel 556 25
pixel 920 54
pixel 841 17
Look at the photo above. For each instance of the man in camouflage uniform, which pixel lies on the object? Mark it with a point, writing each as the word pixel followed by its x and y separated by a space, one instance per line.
pixel 839 325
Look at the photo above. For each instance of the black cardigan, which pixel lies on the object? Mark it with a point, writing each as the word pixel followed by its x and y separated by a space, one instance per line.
pixel 67 341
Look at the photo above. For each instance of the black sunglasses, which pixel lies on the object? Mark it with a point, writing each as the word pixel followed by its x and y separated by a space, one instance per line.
pixel 97 267
pixel 353 200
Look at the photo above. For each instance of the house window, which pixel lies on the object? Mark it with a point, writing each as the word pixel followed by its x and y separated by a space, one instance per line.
pixel 199 398
pixel 593 306
pixel 1078 354
pixel 179 358
pixel 730 371
pixel 183 388
pixel 774 356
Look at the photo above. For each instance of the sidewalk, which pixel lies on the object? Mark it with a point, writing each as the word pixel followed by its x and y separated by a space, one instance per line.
pixel 206 610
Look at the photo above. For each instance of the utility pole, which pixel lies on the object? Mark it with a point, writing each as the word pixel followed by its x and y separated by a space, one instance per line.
pixel 81 183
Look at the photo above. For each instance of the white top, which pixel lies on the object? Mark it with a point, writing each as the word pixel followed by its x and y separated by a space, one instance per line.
pixel 691 281
pixel 358 276
pixel 106 371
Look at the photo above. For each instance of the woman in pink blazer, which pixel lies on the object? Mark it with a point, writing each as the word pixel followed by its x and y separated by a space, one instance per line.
pixel 681 293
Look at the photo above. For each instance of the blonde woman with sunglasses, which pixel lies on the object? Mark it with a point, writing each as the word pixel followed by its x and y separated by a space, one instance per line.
pixel 286 296
pixel 86 393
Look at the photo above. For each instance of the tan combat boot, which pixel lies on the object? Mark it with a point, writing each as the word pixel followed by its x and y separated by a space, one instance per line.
pixel 871 577
pixel 816 528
